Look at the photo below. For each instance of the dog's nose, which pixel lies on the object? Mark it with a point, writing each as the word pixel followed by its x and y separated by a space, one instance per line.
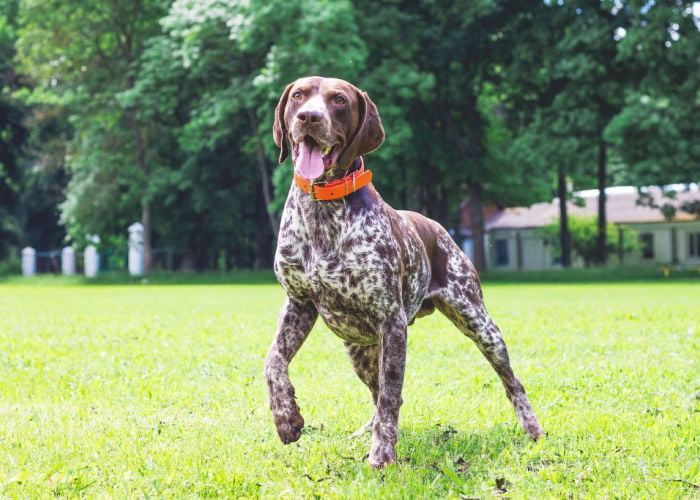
pixel 309 116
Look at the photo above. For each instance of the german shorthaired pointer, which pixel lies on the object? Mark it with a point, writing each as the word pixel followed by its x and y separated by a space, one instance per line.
pixel 365 268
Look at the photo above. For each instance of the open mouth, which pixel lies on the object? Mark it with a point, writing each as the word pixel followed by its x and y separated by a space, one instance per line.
pixel 312 159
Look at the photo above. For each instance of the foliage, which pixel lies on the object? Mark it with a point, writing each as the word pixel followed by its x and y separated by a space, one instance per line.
pixel 13 134
pixel 224 132
pixel 441 98
pixel 657 132
pixel 11 266
pixel 584 231
pixel 78 59
pixel 575 89
pixel 161 110
pixel 126 391
pixel 44 178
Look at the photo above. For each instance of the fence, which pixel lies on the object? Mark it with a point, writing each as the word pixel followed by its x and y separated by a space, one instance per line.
pixel 66 260
pixel 90 262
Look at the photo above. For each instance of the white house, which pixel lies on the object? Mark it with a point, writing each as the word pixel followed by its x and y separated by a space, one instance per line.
pixel 512 241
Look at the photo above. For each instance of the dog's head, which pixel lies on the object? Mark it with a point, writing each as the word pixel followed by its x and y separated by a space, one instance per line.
pixel 329 123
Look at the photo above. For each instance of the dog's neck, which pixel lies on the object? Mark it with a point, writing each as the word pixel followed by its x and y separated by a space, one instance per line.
pixel 337 184
pixel 336 173
pixel 340 188
pixel 328 218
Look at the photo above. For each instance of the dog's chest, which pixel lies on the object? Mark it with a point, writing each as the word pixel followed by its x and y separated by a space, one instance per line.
pixel 345 263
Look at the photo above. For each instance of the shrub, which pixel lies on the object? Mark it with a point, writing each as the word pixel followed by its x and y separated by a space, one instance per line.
pixel 584 235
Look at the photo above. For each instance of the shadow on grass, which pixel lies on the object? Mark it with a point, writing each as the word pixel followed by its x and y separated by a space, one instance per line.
pixel 443 447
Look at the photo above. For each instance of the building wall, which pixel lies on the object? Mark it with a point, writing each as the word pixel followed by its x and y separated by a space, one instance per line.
pixel 663 234
pixel 689 230
pixel 525 250
pixel 522 249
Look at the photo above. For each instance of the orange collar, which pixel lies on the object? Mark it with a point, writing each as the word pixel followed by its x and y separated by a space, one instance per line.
pixel 336 189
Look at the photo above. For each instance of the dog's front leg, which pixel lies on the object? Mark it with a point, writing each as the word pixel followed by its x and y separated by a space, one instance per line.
pixel 295 322
pixel 392 361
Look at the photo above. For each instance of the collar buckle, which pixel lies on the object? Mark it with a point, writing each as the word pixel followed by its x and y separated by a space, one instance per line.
pixel 312 193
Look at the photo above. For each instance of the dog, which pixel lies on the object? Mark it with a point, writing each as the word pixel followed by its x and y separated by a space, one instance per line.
pixel 368 270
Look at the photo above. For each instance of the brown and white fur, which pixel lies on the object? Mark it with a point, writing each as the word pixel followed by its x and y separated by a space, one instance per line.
pixel 365 268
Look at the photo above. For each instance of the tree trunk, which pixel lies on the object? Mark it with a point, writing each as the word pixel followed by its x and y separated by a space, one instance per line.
pixel 147 249
pixel 470 152
pixel 263 257
pixel 602 251
pixel 476 215
pixel 264 176
pixel 266 185
pixel 140 153
pixel 264 239
pixel 476 202
pixel 564 235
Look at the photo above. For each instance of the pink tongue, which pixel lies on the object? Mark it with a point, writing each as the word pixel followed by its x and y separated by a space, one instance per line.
pixel 309 163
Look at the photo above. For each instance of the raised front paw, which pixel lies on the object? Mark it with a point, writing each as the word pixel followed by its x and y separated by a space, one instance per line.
pixel 289 427
pixel 533 428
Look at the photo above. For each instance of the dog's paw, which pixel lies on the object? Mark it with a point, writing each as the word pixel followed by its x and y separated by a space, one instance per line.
pixel 289 427
pixel 381 456
pixel 533 428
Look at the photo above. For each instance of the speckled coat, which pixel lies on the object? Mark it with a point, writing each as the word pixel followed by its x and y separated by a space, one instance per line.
pixel 367 270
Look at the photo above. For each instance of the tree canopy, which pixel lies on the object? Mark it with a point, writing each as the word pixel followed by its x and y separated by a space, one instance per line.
pixel 160 110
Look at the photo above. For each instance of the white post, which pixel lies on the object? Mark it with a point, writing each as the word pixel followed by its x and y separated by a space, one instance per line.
pixel 68 261
pixel 28 261
pixel 92 258
pixel 136 249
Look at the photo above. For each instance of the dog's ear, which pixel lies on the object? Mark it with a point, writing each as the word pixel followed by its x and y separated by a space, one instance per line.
pixel 279 129
pixel 369 134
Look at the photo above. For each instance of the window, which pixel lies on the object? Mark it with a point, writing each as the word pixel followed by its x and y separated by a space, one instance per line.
pixel 694 245
pixel 501 252
pixel 646 241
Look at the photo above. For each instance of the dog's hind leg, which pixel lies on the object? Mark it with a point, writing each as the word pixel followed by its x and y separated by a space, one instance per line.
pixel 365 362
pixel 460 299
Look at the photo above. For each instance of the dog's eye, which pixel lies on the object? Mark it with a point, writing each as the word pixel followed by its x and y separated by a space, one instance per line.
pixel 340 100
pixel 296 96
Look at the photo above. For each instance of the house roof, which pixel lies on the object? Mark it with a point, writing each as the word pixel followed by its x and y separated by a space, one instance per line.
pixel 621 207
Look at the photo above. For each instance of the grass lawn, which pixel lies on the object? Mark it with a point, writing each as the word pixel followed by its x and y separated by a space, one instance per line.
pixel 131 391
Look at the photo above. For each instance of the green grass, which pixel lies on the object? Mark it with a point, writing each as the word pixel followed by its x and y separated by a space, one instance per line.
pixel 131 391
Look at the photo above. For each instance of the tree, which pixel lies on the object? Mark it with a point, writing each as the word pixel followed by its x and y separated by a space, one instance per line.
pixel 80 58
pixel 576 85
pixel 597 90
pixel 210 83
pixel 161 110
pixel 435 66
pixel 657 133
pixel 44 178
pixel 533 82
pixel 13 134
